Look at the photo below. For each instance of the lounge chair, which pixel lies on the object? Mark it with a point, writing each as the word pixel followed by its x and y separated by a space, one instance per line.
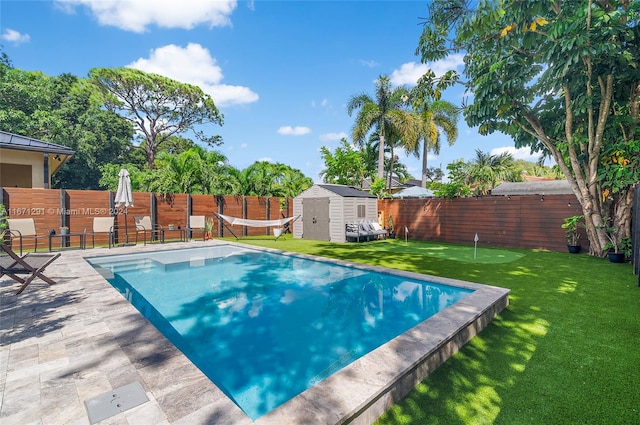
pixel 24 228
pixel 31 264
pixel 196 222
pixel 353 231
pixel 377 230
pixel 144 225
pixel 101 225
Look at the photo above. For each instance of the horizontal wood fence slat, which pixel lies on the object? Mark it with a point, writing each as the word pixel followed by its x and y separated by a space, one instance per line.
pixel 53 208
pixel 530 222
pixel 517 221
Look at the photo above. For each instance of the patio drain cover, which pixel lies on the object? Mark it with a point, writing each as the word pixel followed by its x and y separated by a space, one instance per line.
pixel 116 401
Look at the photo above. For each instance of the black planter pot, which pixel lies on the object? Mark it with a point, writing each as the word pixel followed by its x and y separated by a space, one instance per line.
pixel 616 257
pixel 573 249
pixel 392 235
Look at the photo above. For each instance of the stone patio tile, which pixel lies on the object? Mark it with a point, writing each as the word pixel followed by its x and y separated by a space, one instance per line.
pixel 65 343
pixel 188 398
pixel 147 413
pixel 35 370
pixel 22 393
pixel 91 383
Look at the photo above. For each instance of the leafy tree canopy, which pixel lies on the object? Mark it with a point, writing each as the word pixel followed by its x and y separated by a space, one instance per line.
pixel 560 76
pixel 343 166
pixel 386 113
pixel 61 110
pixel 156 106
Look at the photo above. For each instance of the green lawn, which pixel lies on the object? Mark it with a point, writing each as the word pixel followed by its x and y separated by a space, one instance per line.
pixel 565 351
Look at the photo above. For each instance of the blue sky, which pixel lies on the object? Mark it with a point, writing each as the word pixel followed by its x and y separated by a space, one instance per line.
pixel 281 72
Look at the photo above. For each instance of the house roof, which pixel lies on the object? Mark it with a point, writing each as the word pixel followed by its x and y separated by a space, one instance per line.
pixel 395 184
pixel 346 191
pixel 14 141
pixel 414 192
pixel 548 187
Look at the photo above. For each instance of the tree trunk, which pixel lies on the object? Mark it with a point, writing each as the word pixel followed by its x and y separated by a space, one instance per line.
pixel 424 164
pixel 381 157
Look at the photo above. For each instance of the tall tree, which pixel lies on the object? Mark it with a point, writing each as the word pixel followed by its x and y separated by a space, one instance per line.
pixel 387 111
pixel 436 117
pixel 61 110
pixel 156 106
pixel 559 76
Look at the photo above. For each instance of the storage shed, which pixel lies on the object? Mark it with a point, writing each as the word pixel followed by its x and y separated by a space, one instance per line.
pixel 325 209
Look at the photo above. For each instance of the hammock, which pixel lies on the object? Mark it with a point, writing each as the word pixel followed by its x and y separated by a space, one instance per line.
pixel 236 221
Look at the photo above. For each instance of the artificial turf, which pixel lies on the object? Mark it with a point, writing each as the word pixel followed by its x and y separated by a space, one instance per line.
pixel 565 351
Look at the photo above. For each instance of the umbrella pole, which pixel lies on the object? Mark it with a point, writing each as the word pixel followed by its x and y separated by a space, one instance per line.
pixel 126 231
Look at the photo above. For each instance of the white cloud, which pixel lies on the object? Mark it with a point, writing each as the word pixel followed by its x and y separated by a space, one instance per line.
pixel 369 63
pixel 331 137
pixel 136 15
pixel 519 153
pixel 265 159
pixel 13 36
pixel 293 131
pixel 194 65
pixel 324 103
pixel 410 72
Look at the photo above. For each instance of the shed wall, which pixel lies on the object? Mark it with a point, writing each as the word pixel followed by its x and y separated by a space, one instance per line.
pixel 342 210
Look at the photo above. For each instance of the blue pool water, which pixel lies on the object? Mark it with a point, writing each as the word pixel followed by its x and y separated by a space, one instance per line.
pixel 264 327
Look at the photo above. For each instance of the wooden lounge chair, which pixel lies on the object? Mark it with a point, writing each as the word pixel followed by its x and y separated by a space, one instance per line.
pixel 33 265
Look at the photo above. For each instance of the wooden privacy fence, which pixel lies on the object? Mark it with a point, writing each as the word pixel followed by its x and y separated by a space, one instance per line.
pixel 507 221
pixel 75 209
pixel 531 221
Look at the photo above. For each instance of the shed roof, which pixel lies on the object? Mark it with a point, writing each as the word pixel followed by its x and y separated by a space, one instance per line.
pixel 346 191
pixel 14 141
pixel 544 187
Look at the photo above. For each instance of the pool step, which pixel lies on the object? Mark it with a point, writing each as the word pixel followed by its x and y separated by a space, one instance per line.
pixel 129 265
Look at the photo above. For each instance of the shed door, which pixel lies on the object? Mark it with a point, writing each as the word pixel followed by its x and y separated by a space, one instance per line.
pixel 315 222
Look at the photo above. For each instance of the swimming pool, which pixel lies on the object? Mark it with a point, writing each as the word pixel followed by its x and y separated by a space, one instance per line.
pixel 263 326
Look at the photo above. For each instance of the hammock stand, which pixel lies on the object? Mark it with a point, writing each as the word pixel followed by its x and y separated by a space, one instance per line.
pixel 233 221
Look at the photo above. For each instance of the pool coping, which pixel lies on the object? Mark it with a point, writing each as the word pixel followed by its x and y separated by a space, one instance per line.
pixel 90 340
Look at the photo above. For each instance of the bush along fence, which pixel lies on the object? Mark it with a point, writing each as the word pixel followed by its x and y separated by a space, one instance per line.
pixel 52 209
pixel 516 221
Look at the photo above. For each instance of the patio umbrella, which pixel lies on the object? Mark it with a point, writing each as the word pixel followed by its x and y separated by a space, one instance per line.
pixel 124 197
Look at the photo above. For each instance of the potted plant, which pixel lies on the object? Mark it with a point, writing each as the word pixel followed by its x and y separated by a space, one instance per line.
pixel 390 227
pixel 208 228
pixel 616 253
pixel 572 225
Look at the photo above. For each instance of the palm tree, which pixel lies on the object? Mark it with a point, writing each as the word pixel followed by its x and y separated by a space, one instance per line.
pixel 384 113
pixel 486 170
pixel 434 118
pixel 293 182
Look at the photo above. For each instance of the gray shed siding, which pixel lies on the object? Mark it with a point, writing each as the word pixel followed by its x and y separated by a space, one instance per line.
pixel 342 210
